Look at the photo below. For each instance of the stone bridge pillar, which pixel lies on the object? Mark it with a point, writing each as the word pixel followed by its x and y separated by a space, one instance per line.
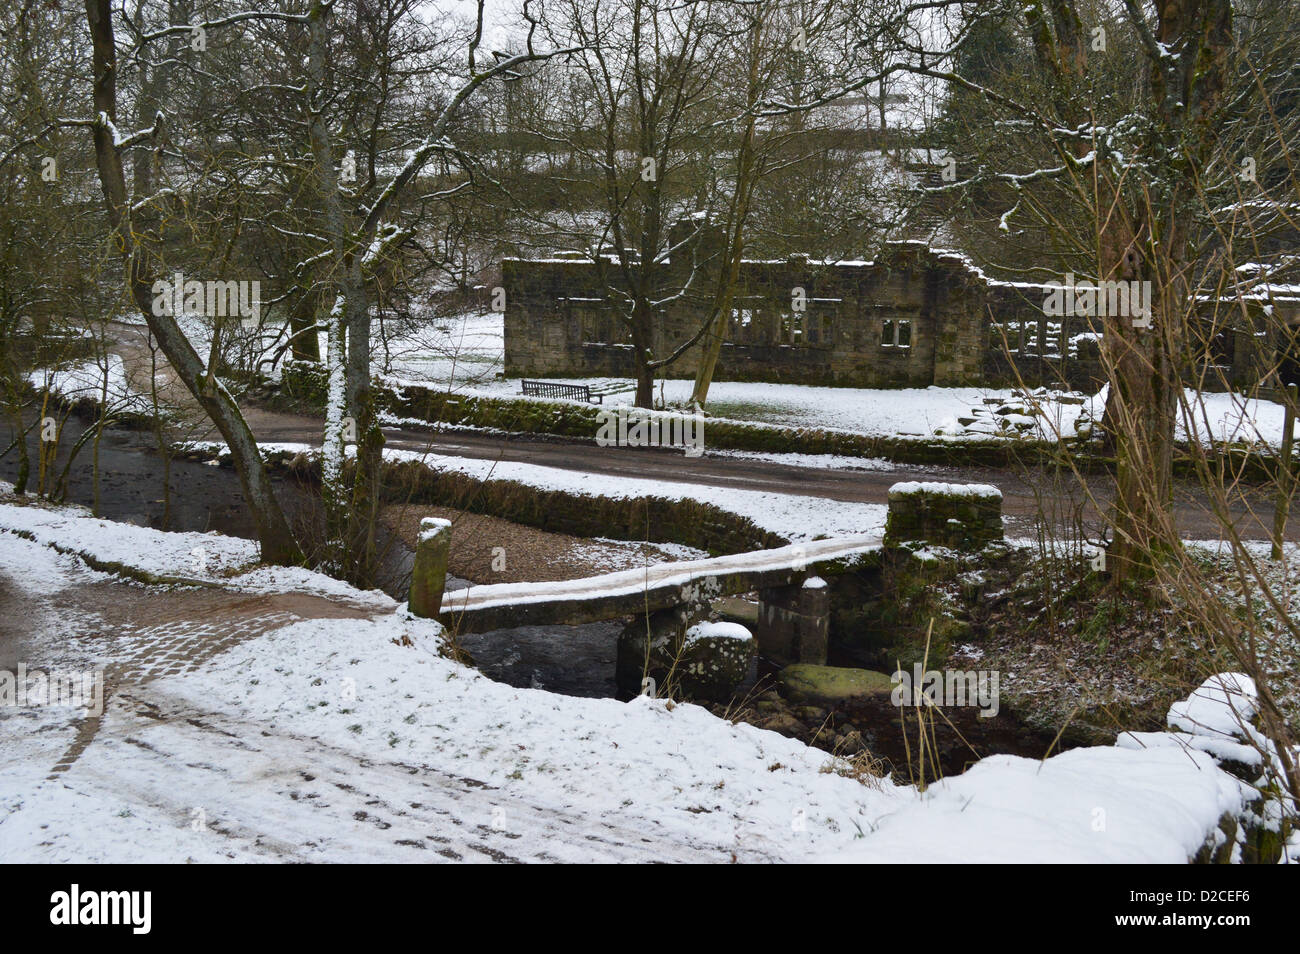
pixel 793 622
pixel 962 516
pixel 668 651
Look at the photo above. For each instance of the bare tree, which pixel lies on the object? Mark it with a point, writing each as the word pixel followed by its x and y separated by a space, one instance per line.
pixel 1112 176
pixel 361 240
pixel 275 538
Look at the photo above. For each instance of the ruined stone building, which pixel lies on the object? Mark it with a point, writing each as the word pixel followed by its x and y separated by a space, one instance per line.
pixel 915 317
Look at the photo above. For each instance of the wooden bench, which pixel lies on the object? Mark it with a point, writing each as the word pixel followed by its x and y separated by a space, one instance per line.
pixel 573 392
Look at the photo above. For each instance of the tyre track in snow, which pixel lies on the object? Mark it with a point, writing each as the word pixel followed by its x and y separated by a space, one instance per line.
pixel 265 795
pixel 268 795
pixel 1064 501
pixel 259 792
pixel 155 633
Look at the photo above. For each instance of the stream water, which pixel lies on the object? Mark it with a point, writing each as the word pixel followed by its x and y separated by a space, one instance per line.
pixel 574 660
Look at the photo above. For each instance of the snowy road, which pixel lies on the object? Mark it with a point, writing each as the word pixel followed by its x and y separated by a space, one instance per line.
pixel 1061 499
pixel 1026 493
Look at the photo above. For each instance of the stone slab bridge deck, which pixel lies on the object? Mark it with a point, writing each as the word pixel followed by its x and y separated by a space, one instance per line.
pixel 795 597
pixel 660 586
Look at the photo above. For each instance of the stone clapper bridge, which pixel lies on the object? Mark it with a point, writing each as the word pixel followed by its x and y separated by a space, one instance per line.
pixel 664 599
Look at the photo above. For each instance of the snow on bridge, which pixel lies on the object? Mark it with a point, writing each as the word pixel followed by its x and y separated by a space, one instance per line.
pixel 478 609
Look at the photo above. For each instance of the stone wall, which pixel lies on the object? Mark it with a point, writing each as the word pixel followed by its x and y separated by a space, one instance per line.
pixel 912 318
pixel 1025 345
pixel 656 519
pixel 909 320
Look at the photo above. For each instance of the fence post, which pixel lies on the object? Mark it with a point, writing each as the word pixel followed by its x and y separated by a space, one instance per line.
pixel 429 575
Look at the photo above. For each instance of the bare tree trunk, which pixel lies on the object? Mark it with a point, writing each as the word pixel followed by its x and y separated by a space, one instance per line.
pixel 274 536
pixel 725 291
pixel 1140 411
pixel 332 445
pixel 305 341
pixel 642 345
pixel 1144 372
pixel 711 349
pixel 349 517
pixel 13 401
pixel 160 435
pixel 100 420
pixel 746 179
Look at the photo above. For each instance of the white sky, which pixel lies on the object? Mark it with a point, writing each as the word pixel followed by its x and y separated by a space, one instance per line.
pixel 497 14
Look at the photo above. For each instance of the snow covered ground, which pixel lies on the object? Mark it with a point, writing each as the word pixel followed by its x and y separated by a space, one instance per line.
pixel 792 516
pixel 92 381
pixel 466 353
pixel 467 356
pixel 318 737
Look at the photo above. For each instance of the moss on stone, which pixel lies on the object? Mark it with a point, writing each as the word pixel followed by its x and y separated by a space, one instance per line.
pixel 927 512
pixel 832 686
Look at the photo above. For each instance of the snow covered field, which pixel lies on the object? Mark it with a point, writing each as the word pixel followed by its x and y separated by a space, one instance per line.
pixel 465 354
pixel 350 738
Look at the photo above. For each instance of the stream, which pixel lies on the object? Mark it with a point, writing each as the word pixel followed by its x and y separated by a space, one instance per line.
pixel 573 660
